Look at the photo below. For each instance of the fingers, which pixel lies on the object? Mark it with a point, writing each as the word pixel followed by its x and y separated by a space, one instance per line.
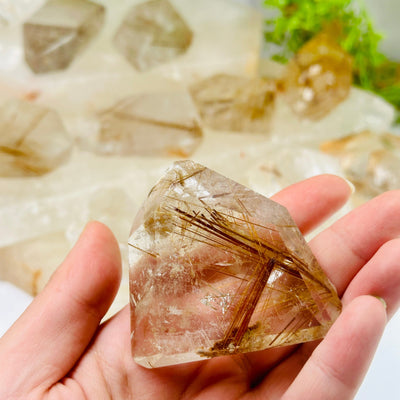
pixel 379 277
pixel 51 335
pixel 348 244
pixel 337 366
pixel 311 201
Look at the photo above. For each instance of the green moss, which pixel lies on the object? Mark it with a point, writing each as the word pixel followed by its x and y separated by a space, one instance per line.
pixel 299 20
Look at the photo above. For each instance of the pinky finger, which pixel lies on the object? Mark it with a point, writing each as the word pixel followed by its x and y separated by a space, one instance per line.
pixel 337 366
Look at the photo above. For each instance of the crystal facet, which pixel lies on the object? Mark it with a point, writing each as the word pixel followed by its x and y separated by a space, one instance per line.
pixel 157 124
pixel 152 33
pixel 318 78
pixel 371 161
pixel 58 31
pixel 33 140
pixel 217 269
pixel 235 103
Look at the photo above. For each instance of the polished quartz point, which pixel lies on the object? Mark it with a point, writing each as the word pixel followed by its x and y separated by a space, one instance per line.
pixel 318 78
pixel 217 269
pixel 150 124
pixel 152 33
pixel 33 140
pixel 58 31
pixel 235 103
pixel 371 161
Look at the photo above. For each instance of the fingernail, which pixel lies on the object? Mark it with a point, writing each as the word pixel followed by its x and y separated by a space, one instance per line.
pixel 351 185
pixel 381 300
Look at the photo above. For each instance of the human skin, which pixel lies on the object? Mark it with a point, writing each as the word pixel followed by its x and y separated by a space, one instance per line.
pixel 59 349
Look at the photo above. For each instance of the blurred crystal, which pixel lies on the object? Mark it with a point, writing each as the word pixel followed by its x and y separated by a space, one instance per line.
pixel 150 124
pixel 318 78
pixel 151 34
pixel 235 103
pixel 370 160
pixel 218 269
pixel 58 31
pixel 33 140
pixel 15 11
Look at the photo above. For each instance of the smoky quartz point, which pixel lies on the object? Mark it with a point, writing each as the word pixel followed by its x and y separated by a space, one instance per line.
pixel 217 269
pixel 33 140
pixel 152 33
pixel 58 31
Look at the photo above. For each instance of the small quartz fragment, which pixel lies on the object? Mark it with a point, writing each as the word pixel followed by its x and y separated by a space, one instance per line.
pixel 58 31
pixel 235 103
pixel 217 269
pixel 151 34
pixel 150 124
pixel 33 140
pixel 371 161
pixel 318 78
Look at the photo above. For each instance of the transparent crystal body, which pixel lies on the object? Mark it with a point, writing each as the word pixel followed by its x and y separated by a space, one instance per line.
pixel 318 78
pixel 151 34
pixel 217 269
pixel 58 31
pixel 235 103
pixel 33 140
pixel 152 124
pixel 370 160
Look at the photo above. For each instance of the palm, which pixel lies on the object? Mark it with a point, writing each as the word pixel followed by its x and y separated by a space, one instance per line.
pixel 67 354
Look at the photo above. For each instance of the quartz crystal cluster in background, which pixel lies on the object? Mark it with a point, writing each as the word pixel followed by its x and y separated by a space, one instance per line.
pixel 218 269
pixel 318 78
pixel 58 31
pixel 235 103
pixel 164 124
pixel 33 140
pixel 152 33
pixel 371 161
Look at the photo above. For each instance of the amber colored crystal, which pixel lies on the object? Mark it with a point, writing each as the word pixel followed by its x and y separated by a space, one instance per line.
pixel 217 269
pixel 235 103
pixel 318 78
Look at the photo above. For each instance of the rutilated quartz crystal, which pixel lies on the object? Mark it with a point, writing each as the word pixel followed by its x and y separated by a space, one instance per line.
pixel 235 103
pixel 151 124
pixel 33 140
pixel 58 31
pixel 217 269
pixel 151 34
pixel 318 78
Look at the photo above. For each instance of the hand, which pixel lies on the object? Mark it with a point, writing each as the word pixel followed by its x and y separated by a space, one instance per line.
pixel 59 350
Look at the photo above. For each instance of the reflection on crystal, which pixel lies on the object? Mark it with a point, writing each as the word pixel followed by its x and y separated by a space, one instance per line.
pixel 151 34
pixel 157 124
pixel 56 33
pixel 218 269
pixel 318 78
pixel 235 103
pixel 371 161
pixel 33 140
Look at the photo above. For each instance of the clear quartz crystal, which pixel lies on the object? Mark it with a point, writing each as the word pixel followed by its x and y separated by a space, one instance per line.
pixel 318 78
pixel 151 34
pixel 33 140
pixel 235 103
pixel 217 269
pixel 58 31
pixel 370 160
pixel 150 124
